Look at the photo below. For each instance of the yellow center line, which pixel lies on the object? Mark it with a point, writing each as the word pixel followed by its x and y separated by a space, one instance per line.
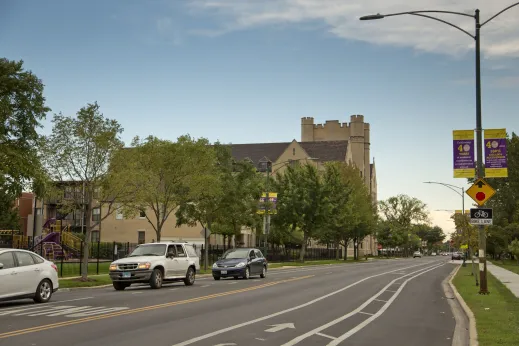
pixel 145 308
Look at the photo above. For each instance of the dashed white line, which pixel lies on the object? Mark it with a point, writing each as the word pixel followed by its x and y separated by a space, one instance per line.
pixel 36 306
pixel 366 313
pixel 232 283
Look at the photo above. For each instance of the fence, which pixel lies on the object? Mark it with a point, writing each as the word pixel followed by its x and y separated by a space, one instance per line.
pixel 101 254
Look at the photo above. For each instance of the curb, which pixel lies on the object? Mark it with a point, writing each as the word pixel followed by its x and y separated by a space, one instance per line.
pixel 473 333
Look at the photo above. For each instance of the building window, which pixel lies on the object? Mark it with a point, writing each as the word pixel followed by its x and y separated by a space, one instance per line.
pixel 141 237
pixel 95 237
pixel 96 214
pixel 293 151
pixel 119 213
pixel 142 214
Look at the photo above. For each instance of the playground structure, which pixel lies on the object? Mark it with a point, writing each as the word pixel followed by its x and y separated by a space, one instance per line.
pixel 55 242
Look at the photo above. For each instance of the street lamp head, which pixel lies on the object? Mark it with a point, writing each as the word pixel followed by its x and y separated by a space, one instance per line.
pixel 372 17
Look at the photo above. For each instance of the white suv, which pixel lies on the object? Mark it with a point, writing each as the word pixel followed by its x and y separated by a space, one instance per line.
pixel 155 263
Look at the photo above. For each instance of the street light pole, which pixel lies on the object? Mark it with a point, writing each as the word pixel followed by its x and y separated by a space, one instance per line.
pixel 483 289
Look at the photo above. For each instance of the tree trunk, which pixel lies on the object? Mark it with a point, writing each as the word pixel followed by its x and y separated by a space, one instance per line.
pixel 303 248
pixel 86 242
pixel 337 250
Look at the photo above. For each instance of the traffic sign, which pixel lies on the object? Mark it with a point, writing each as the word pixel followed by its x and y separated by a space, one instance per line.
pixel 481 192
pixel 481 216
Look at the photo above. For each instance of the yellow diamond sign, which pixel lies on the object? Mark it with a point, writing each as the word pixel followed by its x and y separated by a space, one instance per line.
pixel 481 192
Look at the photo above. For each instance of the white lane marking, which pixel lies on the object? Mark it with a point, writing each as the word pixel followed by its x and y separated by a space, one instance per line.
pixel 281 326
pixel 62 310
pixel 390 291
pixel 365 313
pixel 224 330
pixel 326 336
pixel 38 306
pixel 348 315
pixel 136 292
pixel 205 286
pixel 380 300
pixel 173 289
pixel 380 312
pixel 232 283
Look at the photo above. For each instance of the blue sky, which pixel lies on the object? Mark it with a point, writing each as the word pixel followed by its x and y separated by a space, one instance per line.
pixel 247 71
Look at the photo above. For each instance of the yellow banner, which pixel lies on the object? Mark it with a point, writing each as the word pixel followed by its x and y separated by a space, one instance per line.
pixel 464 166
pixel 495 153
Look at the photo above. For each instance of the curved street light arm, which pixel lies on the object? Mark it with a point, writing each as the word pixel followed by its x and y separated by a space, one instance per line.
pixel 498 13
pixel 429 11
pixel 452 187
pixel 445 22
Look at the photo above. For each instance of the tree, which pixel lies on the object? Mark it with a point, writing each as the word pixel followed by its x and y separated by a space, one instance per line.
pixel 78 153
pixel 514 249
pixel 301 201
pixel 401 213
pixel 349 208
pixel 22 107
pixel 230 201
pixel 9 216
pixel 164 174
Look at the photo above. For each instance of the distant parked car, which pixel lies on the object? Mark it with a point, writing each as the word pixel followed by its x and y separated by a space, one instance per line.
pixel 417 254
pixel 24 274
pixel 240 262
pixel 156 263
pixel 457 256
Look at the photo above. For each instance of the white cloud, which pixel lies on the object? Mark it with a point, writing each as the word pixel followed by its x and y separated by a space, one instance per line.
pixel 499 37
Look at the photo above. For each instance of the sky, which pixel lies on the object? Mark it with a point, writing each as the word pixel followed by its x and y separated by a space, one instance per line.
pixel 248 71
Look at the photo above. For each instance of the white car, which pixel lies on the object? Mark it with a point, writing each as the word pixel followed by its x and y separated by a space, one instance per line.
pixel 417 254
pixel 155 263
pixel 24 274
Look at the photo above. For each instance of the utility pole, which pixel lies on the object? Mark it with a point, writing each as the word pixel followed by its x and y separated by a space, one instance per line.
pixel 266 218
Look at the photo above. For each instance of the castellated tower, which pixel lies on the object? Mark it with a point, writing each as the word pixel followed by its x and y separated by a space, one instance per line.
pixel 356 133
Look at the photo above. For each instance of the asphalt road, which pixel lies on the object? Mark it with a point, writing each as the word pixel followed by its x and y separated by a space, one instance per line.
pixel 383 302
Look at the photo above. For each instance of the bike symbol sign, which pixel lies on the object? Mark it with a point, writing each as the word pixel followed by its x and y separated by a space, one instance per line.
pixel 481 216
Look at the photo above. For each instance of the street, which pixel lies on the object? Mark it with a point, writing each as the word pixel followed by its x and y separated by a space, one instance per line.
pixel 381 302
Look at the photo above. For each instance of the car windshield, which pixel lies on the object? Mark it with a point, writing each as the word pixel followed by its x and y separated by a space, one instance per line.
pixel 236 253
pixel 149 250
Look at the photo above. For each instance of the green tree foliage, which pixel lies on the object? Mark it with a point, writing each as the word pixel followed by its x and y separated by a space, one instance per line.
pixel 301 202
pixel 513 248
pixel 162 174
pixel 22 107
pixel 77 154
pixel 232 200
pixel 9 216
pixel 349 207
pixel 401 214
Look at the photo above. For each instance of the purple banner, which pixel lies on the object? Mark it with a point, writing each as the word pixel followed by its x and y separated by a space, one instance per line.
pixel 495 154
pixel 463 154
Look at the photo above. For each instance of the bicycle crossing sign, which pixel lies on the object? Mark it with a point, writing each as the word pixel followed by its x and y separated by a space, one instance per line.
pixel 481 216
pixel 481 192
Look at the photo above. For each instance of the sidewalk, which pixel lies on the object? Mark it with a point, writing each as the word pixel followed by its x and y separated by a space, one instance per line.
pixel 508 278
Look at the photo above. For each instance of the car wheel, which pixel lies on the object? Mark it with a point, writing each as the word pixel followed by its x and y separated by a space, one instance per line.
pixel 264 273
pixel 235 277
pixel 246 276
pixel 120 286
pixel 43 292
pixel 156 279
pixel 216 277
pixel 190 277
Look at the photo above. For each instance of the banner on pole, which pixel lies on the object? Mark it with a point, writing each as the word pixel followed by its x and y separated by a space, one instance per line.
pixel 495 154
pixel 463 145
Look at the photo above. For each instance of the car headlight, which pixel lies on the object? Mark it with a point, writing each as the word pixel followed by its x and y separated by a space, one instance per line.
pixel 113 266
pixel 215 265
pixel 241 264
pixel 145 265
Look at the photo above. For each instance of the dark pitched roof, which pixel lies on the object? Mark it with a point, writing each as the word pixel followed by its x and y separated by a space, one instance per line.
pixel 257 151
pixel 322 150
pixel 326 150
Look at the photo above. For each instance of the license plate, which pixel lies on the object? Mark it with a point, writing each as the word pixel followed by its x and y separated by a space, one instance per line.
pixel 224 272
pixel 127 275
